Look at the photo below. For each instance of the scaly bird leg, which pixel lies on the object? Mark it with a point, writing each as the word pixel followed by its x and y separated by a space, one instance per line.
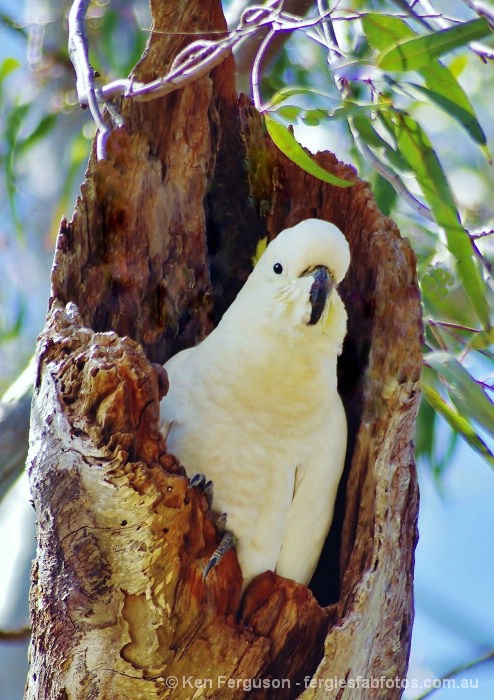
pixel 228 540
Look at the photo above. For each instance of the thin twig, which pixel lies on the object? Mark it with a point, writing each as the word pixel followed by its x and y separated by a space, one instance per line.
pixel 483 51
pixel 436 333
pixel 195 61
pixel 485 385
pixel 431 10
pixel 331 41
pixel 408 9
pixel 18 635
pixel 457 671
pixel 79 55
pixel 455 326
pixel 482 259
pixel 480 9
pixel 393 178
pixel 475 235
pixel 256 93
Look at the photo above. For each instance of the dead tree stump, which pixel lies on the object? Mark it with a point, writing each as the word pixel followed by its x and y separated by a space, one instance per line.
pixel 160 242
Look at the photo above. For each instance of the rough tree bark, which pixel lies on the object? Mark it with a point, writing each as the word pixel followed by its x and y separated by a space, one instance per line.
pixel 160 241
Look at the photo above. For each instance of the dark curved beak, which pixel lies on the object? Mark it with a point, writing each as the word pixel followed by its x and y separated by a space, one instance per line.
pixel 319 292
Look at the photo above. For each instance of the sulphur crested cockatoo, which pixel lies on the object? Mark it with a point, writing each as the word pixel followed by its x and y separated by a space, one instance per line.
pixel 255 406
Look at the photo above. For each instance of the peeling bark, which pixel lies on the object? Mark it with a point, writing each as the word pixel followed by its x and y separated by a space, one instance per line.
pixel 160 242
pixel 125 540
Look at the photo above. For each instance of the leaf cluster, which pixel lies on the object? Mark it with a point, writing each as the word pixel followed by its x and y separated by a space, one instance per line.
pixel 386 72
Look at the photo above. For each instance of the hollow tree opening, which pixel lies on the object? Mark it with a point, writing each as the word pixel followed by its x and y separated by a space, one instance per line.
pixel 161 239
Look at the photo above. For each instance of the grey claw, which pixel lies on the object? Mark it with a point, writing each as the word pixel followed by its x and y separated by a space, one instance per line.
pixel 228 541
pixel 209 492
pixel 210 565
pixel 197 481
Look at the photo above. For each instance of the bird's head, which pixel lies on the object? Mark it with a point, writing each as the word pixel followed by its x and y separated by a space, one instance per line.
pixel 296 279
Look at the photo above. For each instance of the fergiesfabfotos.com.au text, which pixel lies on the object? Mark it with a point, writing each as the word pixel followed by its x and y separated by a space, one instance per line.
pixel 328 684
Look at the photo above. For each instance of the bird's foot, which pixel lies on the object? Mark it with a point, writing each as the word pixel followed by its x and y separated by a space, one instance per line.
pixel 198 481
pixel 228 541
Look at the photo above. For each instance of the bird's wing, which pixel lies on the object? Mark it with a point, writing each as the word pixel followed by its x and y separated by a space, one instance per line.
pixel 311 510
pixel 178 369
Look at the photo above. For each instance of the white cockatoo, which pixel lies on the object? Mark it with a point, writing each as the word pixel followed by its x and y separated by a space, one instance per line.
pixel 255 406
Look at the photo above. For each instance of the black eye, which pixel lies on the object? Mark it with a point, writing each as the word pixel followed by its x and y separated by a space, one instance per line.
pixel 278 268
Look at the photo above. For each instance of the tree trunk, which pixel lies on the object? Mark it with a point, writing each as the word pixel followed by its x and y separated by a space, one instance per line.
pixel 161 240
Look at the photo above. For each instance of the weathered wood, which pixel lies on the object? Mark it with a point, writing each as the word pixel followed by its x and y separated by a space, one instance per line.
pixel 118 593
pixel 164 205
pixel 161 239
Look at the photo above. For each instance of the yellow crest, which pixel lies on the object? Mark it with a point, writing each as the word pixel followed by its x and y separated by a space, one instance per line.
pixel 260 248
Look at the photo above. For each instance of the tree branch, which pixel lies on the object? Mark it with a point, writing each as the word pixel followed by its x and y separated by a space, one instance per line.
pixel 15 408
pixel 456 671
pixel 246 53
pixel 79 55
pixel 19 635
pixel 393 178
pixel 191 63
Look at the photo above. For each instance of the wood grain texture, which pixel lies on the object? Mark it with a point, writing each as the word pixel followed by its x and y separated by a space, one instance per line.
pixel 136 250
pixel 160 242
pixel 118 594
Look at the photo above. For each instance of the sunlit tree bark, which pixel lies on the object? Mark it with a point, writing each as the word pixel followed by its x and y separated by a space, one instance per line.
pixel 161 240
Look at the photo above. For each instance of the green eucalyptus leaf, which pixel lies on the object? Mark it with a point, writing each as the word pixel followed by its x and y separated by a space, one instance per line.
pixel 436 281
pixel 310 120
pixel 372 138
pixel 458 422
pixel 415 146
pixel 349 108
pixel 453 104
pixel 345 110
pixel 290 112
pixel 286 92
pixel 8 66
pixel 13 125
pixel 441 81
pixel 44 126
pixel 424 441
pixel 385 194
pixel 384 31
pixel 466 393
pixel 457 65
pixel 15 121
pixel 287 143
pixel 419 51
